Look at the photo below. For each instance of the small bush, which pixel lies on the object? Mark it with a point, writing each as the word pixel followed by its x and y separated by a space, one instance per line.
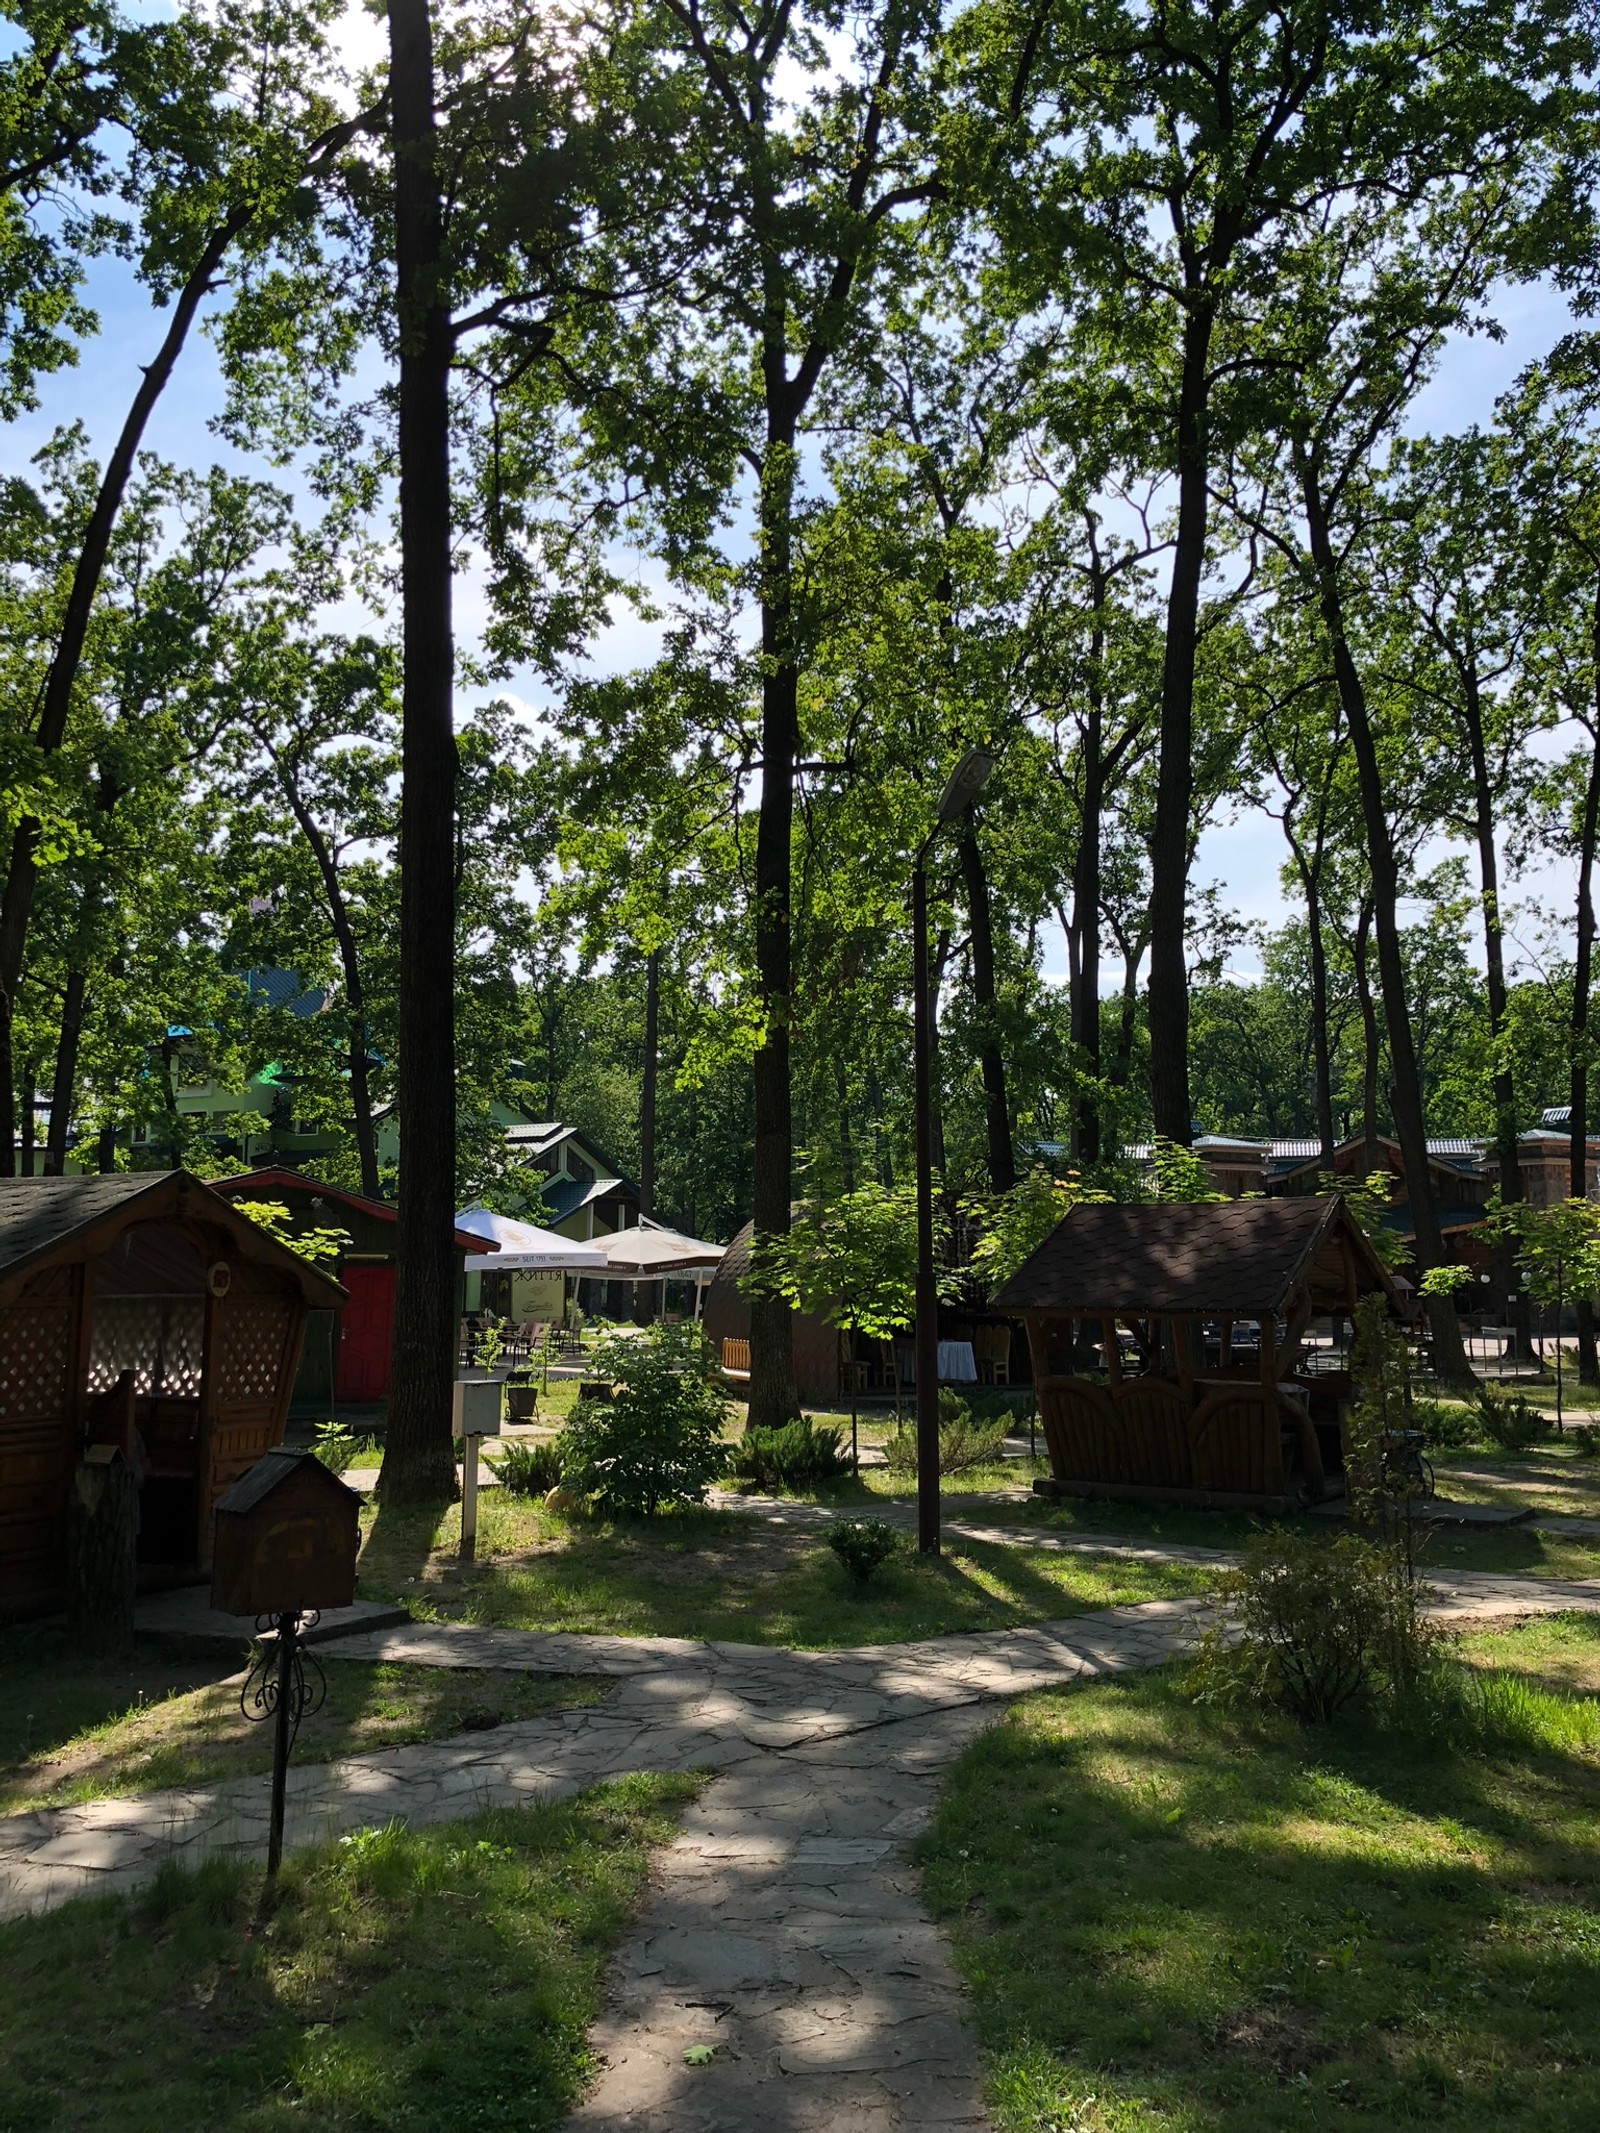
pixel 798 1456
pixel 964 1442
pixel 1511 1419
pixel 1445 1428
pixel 1586 1441
pixel 528 1469
pixel 863 1545
pixel 658 1439
pixel 336 1446
pixel 1314 1626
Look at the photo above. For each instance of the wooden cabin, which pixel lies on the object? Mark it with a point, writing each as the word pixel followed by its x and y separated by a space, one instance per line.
pixel 726 1318
pixel 1169 1349
pixel 140 1311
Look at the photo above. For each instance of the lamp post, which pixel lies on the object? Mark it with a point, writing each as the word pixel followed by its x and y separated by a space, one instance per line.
pixel 965 783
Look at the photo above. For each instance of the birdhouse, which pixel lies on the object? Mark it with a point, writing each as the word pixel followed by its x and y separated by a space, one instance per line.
pixel 287 1536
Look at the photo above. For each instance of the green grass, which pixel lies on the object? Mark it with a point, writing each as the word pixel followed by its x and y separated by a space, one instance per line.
pixel 724 1576
pixel 1171 1922
pixel 73 1729
pixel 406 1981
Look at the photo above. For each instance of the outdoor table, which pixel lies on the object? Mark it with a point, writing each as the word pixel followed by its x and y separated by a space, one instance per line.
pixel 956 1363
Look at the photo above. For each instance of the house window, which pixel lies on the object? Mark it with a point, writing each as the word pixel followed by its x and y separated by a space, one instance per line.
pixel 578 1169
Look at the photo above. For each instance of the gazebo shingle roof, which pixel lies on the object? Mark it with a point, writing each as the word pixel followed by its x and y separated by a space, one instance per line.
pixel 1237 1258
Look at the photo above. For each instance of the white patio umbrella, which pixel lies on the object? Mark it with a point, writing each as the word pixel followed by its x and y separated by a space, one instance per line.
pixel 648 1253
pixel 511 1245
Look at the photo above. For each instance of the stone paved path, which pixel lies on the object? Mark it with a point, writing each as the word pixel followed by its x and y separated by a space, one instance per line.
pixel 784 1928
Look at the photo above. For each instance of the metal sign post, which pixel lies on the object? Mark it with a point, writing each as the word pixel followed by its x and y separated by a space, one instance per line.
pixel 283 1684
pixel 469 1498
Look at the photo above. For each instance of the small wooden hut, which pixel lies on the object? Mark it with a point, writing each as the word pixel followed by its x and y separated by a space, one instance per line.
pixel 144 1312
pixel 726 1318
pixel 1169 1348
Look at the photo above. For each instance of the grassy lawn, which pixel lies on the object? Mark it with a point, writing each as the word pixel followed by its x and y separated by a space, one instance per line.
pixel 406 1981
pixel 1555 1478
pixel 1171 1922
pixel 72 1729
pixel 719 1575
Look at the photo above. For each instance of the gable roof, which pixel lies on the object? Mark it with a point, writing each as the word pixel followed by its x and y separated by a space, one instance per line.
pixel 270 1472
pixel 279 1180
pixel 1238 1257
pixel 40 1215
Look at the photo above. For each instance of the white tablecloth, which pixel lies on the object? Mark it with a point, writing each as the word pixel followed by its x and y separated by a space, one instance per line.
pixel 956 1365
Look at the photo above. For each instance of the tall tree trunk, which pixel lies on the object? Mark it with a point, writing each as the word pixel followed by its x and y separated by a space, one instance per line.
pixel 1170 841
pixel 647 1083
pixel 355 999
pixel 28 1094
pixel 847 1140
pixel 1406 1086
pixel 774 1396
pixel 1085 1002
pixel 64 1084
pixel 1370 1043
pixel 22 873
pixel 1578 1029
pixel 996 1111
pixel 1322 1064
pixel 1502 1085
pixel 1128 1011
pixel 418 1460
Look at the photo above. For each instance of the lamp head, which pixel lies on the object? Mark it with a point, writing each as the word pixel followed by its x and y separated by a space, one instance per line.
pixel 965 783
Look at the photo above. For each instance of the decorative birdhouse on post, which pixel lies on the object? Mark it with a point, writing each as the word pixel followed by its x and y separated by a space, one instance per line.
pixel 287 1536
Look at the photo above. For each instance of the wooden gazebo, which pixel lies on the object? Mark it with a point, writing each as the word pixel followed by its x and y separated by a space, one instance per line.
pixel 1168 1348
pixel 140 1314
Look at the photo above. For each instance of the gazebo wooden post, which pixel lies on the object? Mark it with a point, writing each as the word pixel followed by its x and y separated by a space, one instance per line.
pixel 1183 1354
pixel 1268 1328
pixel 1113 1348
pixel 1225 1359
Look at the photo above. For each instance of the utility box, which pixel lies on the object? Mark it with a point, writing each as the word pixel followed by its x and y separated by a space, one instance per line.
pixel 477 1406
pixel 286 1540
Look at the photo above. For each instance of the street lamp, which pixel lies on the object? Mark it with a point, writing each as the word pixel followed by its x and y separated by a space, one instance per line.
pixel 965 783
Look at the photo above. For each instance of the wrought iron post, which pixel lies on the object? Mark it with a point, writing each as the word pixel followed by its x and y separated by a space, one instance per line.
pixel 283 1684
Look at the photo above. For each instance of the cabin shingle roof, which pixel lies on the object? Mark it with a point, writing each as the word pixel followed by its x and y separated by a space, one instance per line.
pixel 36 1214
pixel 1238 1257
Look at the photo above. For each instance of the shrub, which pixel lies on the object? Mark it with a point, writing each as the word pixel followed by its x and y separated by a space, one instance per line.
pixel 1445 1428
pixel 863 1545
pixel 1510 1418
pixel 964 1442
pixel 658 1439
pixel 336 1446
pixel 1586 1441
pixel 1315 1625
pixel 798 1456
pixel 528 1469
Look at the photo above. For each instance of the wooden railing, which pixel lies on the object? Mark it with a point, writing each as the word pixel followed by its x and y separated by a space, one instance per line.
pixel 736 1356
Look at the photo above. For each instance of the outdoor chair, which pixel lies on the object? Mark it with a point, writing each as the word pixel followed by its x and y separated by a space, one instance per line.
pixel 991 1345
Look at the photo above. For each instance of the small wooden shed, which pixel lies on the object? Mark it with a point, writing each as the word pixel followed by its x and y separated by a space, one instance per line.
pixel 726 1318
pixel 1169 1348
pixel 140 1310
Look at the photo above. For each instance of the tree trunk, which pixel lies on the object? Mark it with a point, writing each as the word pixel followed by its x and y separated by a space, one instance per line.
pixel 1370 1043
pixel 647 1083
pixel 1582 978
pixel 996 1111
pixel 1085 1003
pixel 1170 842
pixel 64 1086
pixel 354 990
pixel 102 1560
pixel 28 1093
pixel 847 1139
pixel 418 1460
pixel 1406 1087
pixel 774 1396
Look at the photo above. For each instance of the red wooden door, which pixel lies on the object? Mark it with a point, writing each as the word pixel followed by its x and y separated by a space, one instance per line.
pixel 366 1326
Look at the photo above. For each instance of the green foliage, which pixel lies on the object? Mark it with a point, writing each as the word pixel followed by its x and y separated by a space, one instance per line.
pixel 1510 1419
pixel 1368 1202
pixel 798 1456
pixel 964 1441
pixel 323 1247
pixel 1445 1427
pixel 851 1259
pixel 1014 1224
pixel 528 1466
pixel 657 1441
pixel 1319 1624
pixel 863 1545
pixel 1380 1409
pixel 1586 1440
pixel 337 1446
pixel 1177 1174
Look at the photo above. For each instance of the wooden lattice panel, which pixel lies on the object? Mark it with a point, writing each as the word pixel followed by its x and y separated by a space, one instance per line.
pixel 35 1348
pixel 253 1334
pixel 160 1339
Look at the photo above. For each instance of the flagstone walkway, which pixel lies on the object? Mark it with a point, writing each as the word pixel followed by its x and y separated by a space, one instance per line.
pixel 784 1930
